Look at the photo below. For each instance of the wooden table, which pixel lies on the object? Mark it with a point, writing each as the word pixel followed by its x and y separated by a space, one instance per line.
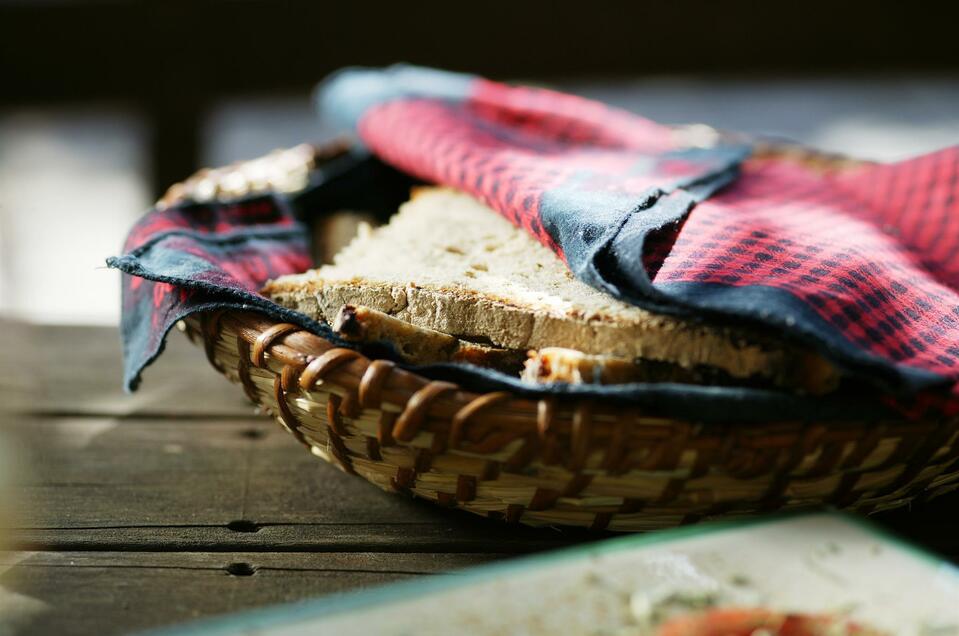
pixel 179 501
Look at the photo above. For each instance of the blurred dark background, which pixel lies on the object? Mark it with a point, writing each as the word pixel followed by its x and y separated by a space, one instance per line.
pixel 104 103
pixel 173 59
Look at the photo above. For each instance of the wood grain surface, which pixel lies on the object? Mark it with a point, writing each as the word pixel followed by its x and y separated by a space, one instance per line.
pixel 180 502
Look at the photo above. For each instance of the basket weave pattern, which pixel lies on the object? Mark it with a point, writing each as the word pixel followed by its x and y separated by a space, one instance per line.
pixel 564 462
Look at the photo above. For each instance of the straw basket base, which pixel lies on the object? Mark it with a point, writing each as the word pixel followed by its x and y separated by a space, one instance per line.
pixel 571 463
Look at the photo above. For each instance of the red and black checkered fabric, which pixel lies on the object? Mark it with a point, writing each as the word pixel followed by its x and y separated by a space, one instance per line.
pixel 871 252
pixel 510 147
pixel 860 264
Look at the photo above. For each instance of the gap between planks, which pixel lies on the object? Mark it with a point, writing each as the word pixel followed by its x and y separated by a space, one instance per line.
pixel 422 538
pixel 40 591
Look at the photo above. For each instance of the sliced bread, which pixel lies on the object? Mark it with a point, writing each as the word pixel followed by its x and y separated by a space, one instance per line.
pixel 446 262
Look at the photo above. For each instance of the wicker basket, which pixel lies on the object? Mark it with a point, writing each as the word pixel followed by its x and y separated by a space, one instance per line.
pixel 564 462
pixel 555 461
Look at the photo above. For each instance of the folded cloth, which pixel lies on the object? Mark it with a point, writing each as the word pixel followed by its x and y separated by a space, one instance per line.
pixel 858 263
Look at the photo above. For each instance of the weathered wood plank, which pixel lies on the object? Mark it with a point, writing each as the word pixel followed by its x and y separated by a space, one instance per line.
pixel 143 484
pixel 458 533
pixel 43 592
pixel 77 370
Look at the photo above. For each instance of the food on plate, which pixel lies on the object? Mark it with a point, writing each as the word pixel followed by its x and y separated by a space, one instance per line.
pixel 760 622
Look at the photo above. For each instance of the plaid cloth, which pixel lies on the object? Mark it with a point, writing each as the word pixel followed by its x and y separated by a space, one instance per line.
pixel 856 264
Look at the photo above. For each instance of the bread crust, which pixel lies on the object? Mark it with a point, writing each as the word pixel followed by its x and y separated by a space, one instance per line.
pixel 418 345
pixel 449 264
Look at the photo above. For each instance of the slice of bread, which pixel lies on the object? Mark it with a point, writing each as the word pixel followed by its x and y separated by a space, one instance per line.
pixel 446 262
pixel 556 364
pixel 568 366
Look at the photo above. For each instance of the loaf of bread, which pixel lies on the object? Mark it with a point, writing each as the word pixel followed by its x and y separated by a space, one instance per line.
pixel 447 263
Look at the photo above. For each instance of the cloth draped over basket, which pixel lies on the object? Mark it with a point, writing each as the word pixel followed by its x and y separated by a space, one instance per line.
pixel 858 263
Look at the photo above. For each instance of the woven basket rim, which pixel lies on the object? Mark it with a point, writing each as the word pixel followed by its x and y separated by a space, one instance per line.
pixel 293 346
pixel 555 459
pixel 563 462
